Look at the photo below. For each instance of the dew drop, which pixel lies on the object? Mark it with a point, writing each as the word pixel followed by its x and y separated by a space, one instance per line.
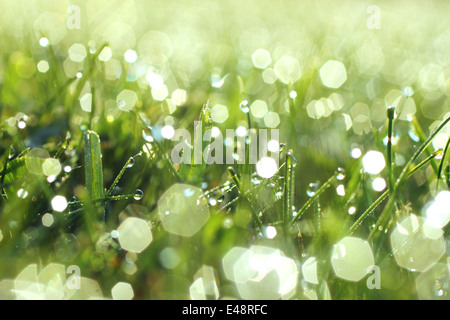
pixel 439 291
pixel 138 195
pixel 312 189
pixel 22 193
pixel 392 112
pixel 256 181
pixel 413 136
pixel 340 174
pixel 12 153
pixel 244 106
pixel 147 136
pixel 131 162
pixel 220 199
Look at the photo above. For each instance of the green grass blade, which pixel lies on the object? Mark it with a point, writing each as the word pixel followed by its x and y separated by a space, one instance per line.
pixel 444 159
pixel 321 190
pixel 194 173
pixel 93 166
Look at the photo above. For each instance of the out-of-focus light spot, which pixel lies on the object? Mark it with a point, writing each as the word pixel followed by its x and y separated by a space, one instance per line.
pixel 348 121
pixel 433 284
pixel 261 58
pixel 59 203
pixel 215 132
pixel 183 210
pixel 287 69
pixel 309 269
pixel 86 102
pixel 438 212
pixel 352 258
pixel 407 91
pixel 79 75
pixel 259 108
pixel 105 55
pixel 122 291
pixel 34 160
pixel 266 167
pixel 77 52
pixel 373 162
pixel 205 286
pixel 169 258
pixel 43 66
pixel 440 141
pixel 67 169
pixel 219 113
pixel 51 167
pixel 43 42
pixel 47 220
pixel 379 184
pixel 179 97
pixel 351 210
pixel 154 80
pixel 21 124
pixel 356 153
pixel 261 273
pixel 272 119
pixel 126 100
pixel 273 146
pixel 431 77
pixel 22 193
pixel 413 249
pixel 167 132
pixel 333 74
pixel 241 131
pixel 130 56
pixel 270 232
pixel 135 235
pixel 269 76
pixel 293 94
pixel 161 93
pixel 115 234
pixel 340 190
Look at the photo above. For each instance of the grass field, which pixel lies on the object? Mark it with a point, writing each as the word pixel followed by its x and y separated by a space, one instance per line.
pixel 91 94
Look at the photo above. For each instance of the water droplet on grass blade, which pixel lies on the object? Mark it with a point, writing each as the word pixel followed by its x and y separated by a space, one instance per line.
pixel 131 162
pixel 138 195
pixel 22 193
pixel 12 152
pixel 392 112
pixel 312 189
pixel 244 106
pixel 340 174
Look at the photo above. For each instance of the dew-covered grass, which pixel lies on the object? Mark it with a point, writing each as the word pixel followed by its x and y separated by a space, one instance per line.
pixel 356 207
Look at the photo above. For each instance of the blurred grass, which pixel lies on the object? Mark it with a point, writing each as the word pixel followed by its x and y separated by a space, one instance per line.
pixel 191 44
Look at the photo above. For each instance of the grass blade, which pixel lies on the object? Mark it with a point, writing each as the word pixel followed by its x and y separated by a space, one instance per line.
pixel 321 190
pixel 93 166
pixel 384 216
pixel 443 161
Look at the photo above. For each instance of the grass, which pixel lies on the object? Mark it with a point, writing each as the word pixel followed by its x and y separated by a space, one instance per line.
pixel 115 164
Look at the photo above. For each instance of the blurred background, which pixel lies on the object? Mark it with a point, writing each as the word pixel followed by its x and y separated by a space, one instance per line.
pixel 321 72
